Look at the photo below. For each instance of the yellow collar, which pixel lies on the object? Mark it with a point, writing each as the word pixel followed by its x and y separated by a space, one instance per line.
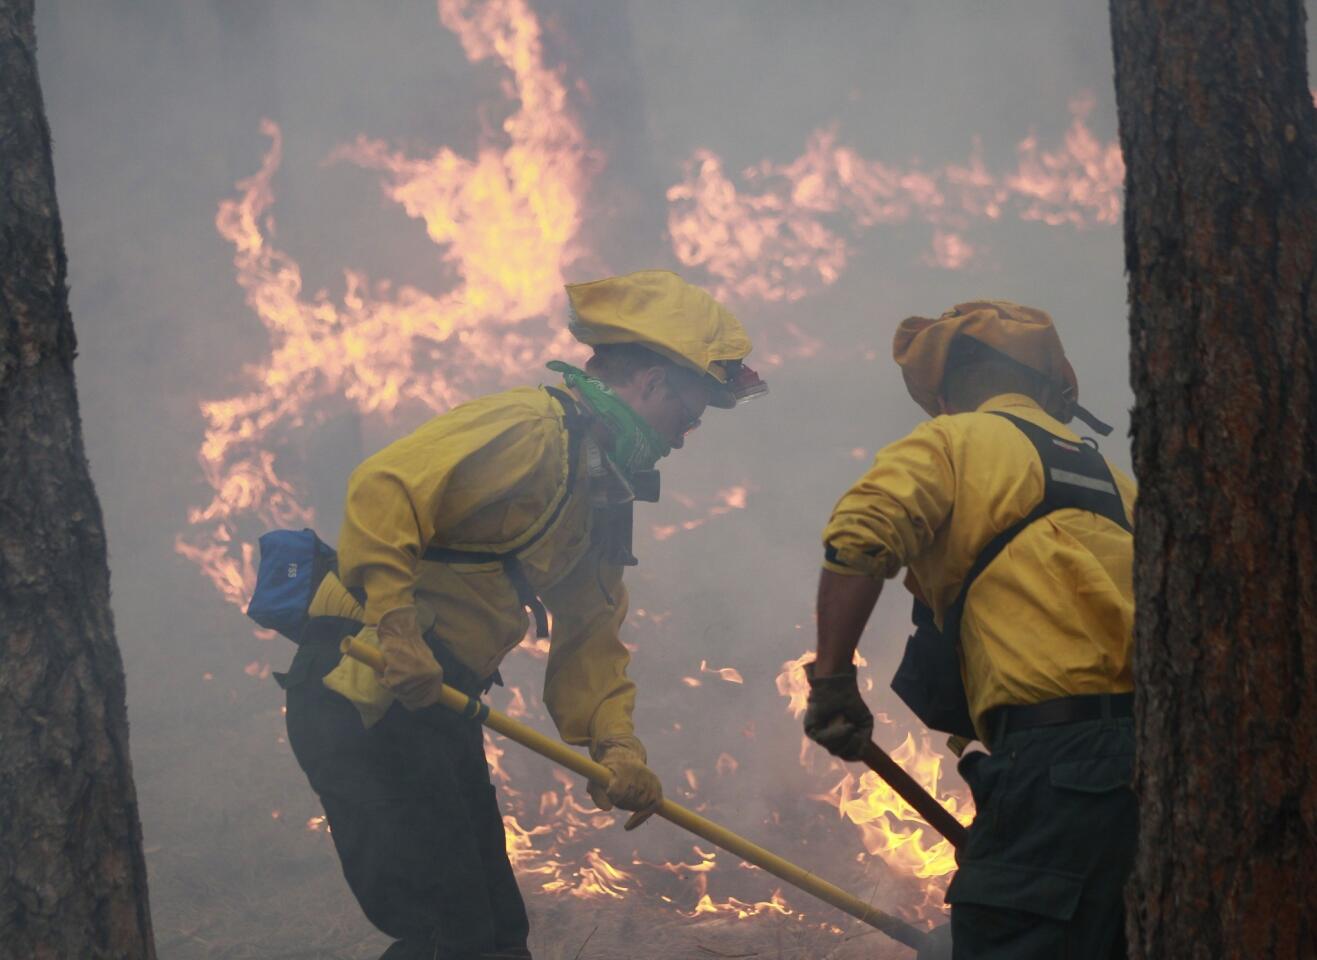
pixel 1007 401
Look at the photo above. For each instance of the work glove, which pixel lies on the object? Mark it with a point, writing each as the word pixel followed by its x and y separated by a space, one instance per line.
pixel 633 785
pixel 836 717
pixel 411 673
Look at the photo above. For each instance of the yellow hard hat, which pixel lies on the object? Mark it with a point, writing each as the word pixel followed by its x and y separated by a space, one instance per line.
pixel 1025 335
pixel 677 320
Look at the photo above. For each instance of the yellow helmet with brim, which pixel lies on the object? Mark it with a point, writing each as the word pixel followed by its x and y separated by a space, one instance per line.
pixel 677 320
pixel 1023 335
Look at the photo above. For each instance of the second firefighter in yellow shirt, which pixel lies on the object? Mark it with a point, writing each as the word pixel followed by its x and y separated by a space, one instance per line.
pixel 1017 538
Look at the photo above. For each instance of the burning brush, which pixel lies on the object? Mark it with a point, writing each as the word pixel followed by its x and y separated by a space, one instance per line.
pixel 473 709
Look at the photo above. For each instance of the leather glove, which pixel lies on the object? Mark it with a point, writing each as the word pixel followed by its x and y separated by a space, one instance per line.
pixel 411 673
pixel 836 717
pixel 633 785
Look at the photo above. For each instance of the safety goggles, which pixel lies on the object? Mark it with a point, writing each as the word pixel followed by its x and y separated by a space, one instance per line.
pixel 678 387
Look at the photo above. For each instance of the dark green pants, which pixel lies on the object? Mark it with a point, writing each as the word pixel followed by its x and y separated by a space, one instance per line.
pixel 1043 871
pixel 413 816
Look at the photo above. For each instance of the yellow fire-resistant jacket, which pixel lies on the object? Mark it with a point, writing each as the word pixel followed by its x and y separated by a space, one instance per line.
pixel 1052 615
pixel 488 476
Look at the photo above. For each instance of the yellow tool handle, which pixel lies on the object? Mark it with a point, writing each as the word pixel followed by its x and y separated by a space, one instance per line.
pixel 555 750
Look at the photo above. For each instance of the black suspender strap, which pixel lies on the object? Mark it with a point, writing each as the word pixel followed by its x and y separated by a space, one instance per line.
pixel 526 594
pixel 576 423
pixel 1075 477
pixel 928 678
pixel 572 417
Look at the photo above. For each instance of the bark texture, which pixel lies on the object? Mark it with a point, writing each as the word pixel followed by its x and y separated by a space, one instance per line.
pixel 72 874
pixel 1220 141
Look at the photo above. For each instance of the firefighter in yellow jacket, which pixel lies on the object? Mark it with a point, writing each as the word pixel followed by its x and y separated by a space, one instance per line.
pixel 455 539
pixel 1017 541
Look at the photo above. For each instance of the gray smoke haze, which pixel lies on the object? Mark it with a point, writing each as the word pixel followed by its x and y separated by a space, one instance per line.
pixel 155 107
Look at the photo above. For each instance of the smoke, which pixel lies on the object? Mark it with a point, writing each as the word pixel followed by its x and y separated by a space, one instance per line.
pixel 156 110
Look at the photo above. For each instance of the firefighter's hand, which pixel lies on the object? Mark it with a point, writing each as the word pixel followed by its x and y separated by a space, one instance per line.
pixel 836 717
pixel 411 673
pixel 633 785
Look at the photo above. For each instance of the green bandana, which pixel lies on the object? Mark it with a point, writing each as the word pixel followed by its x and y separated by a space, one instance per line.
pixel 635 446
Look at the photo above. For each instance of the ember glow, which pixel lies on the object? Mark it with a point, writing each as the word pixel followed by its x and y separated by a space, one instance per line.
pixel 556 840
pixel 725 501
pixel 730 674
pixel 791 228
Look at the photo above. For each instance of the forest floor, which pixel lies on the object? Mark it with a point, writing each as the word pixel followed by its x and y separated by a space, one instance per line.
pixel 279 895
pixel 240 870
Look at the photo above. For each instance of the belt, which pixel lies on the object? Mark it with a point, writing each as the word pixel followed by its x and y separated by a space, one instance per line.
pixel 1000 721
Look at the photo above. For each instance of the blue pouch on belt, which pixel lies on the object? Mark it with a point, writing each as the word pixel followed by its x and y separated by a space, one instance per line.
pixel 293 562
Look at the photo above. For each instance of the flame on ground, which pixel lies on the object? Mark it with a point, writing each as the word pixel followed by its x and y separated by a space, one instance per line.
pixel 877 810
pixel 890 828
pixel 792 683
pixel 742 910
pixel 730 674
pixel 506 221
pixel 725 501
pixel 556 854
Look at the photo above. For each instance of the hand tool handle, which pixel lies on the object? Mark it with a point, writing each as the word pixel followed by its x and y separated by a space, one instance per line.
pixel 473 708
pixel 908 789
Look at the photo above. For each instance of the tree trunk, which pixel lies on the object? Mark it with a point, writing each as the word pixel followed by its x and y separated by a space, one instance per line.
pixel 72 874
pixel 1220 141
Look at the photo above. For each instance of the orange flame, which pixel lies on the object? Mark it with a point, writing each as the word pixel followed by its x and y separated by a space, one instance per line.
pixel 885 819
pixel 741 909
pixel 727 500
pixel 730 674
pixel 790 231
pixel 599 878
pixel 889 827
pixel 792 683
pixel 506 221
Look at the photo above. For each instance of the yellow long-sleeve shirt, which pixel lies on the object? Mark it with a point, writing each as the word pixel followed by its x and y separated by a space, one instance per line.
pixel 1052 615
pixel 491 476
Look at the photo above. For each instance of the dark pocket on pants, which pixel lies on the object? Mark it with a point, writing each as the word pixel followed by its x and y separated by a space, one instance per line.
pixel 1004 911
pixel 1008 886
pixel 1095 775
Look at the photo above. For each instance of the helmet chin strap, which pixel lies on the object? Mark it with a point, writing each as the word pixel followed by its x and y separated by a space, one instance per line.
pixel 1070 407
pixel 1096 425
